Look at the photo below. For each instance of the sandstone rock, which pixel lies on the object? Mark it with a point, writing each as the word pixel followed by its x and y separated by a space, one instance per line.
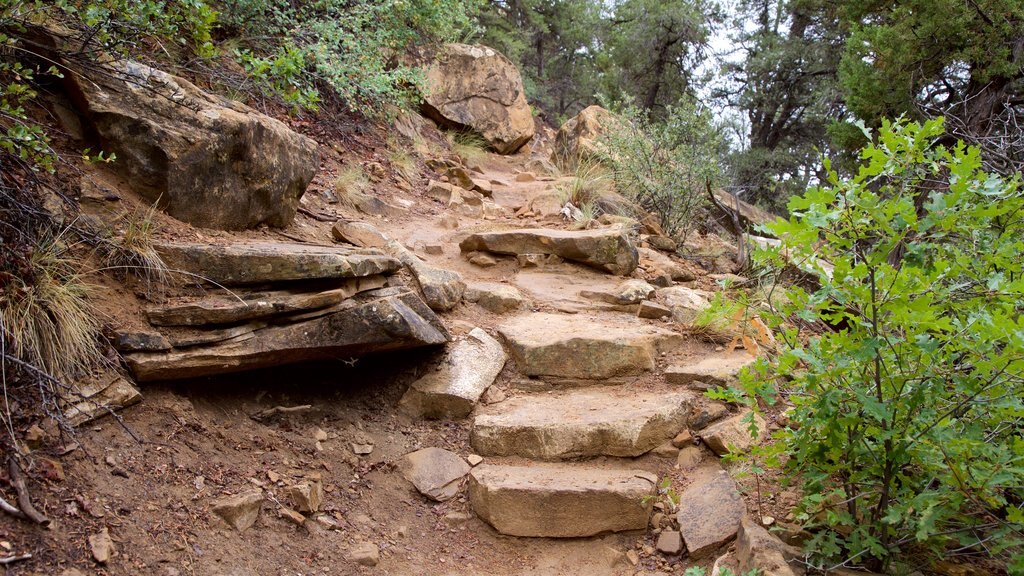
pixel 389 319
pixel 496 298
pixel 663 243
pixel 578 138
pixel 703 415
pixel 757 548
pixel 98 396
pixel 720 370
pixel 493 395
pixel 239 511
pixel 670 542
pixel 268 262
pixel 579 424
pixel 689 457
pixel 458 176
pixel 685 303
pixel 442 289
pixel 710 510
pixel 526 177
pixel 474 459
pixel 240 307
pixel 653 310
pixel 560 501
pixel 206 160
pixel 453 195
pixel 733 434
pixel 365 554
pixel 666 450
pixel 101 546
pixel 292 516
pixel 653 260
pixel 359 234
pixel 576 347
pixel 469 367
pixel 630 291
pixel 307 496
pixel 475 87
pixel 435 472
pixel 683 439
pixel 483 186
pixel 141 341
pixel 607 249
pixel 434 249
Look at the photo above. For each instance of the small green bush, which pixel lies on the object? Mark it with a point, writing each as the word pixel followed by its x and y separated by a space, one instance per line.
pixel 907 426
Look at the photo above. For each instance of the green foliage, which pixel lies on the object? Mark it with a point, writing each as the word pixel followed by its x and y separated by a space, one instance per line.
pixel 664 167
pixel 906 427
pixel 354 48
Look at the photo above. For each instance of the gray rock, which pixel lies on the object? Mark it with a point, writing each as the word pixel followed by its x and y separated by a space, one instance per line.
pixel 560 500
pixel 653 310
pixel 469 367
pixel 360 234
pixel 442 289
pixel 710 510
pixel 241 510
pixel 204 159
pixel 436 473
pixel 607 249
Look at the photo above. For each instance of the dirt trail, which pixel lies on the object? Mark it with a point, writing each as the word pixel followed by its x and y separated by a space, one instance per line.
pixel 199 441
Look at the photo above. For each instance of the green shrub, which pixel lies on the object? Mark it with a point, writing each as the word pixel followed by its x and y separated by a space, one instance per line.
pixel 665 166
pixel 907 426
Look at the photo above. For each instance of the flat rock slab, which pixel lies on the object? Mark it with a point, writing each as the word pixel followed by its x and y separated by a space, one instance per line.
pixel 560 501
pixel 228 310
pixel 733 434
pixel 496 298
pixel 442 289
pixel 710 511
pixel 389 319
pixel 267 262
pixel 470 366
pixel 580 424
pixel 608 249
pixel 719 370
pixel 436 473
pixel 579 347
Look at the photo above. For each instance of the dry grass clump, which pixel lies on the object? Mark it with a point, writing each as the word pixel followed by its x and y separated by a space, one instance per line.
pixel 468 145
pixel 351 185
pixel 128 249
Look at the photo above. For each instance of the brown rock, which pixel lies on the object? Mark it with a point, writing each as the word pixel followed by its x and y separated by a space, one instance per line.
pixel 578 140
pixel 478 88
pixel 653 310
pixel 710 511
pixel 435 472
pixel 102 546
pixel 98 396
pixel 496 298
pixel 703 415
pixel 204 159
pixel 721 370
pixel 442 289
pixel 689 457
pixel 670 542
pixel 307 496
pixel 482 260
pixel 365 554
pixel 239 511
pixel 683 439
pixel 733 434
pixel 359 234
pixel 607 249
pixel 757 548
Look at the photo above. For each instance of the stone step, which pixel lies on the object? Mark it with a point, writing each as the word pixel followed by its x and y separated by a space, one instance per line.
pixel 560 500
pixel 581 423
pixel 709 372
pixel 577 346
pixel 608 249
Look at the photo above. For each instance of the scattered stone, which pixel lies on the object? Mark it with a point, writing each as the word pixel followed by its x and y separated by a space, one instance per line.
pixel 307 496
pixel 483 186
pixel 531 260
pixel 710 372
pixel 268 262
pixel 689 457
pixel 663 243
pixel 628 292
pixel 435 472
pixel 460 177
pixel 474 459
pixel 102 546
pixel 633 557
pixel 359 234
pixel 607 249
pixel 733 434
pixel 320 435
pixel 141 341
pixel 757 548
pixel 98 396
pixel 362 449
pixel 683 439
pixel 653 310
pixel 657 519
pixel 545 344
pixel 365 554
pixel 525 177
pixel 560 500
pixel 434 249
pixel 710 510
pixel 666 450
pixel 703 415
pixel 442 289
pixel 467 370
pixel 291 515
pixel 204 159
pixel 654 260
pixel 494 297
pixel 670 542
pixel 482 260
pixel 685 303
pixel 493 395
pixel 448 221
pixel 579 424
pixel 241 510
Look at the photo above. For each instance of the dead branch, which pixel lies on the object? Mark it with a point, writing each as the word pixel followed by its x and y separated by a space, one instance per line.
pixel 24 501
pixel 264 414
pixel 13 559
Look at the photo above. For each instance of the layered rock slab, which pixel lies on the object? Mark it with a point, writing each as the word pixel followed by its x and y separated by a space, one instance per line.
pixel 580 424
pixel 269 262
pixel 718 370
pixel 608 249
pixel 710 511
pixel 469 367
pixel 389 319
pixel 560 500
pixel 574 346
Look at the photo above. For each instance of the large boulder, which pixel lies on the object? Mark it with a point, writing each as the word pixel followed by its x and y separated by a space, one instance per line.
pixel 204 159
pixel 578 140
pixel 475 87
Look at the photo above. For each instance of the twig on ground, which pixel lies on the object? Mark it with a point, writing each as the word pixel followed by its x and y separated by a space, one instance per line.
pixel 13 559
pixel 24 501
pixel 264 414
